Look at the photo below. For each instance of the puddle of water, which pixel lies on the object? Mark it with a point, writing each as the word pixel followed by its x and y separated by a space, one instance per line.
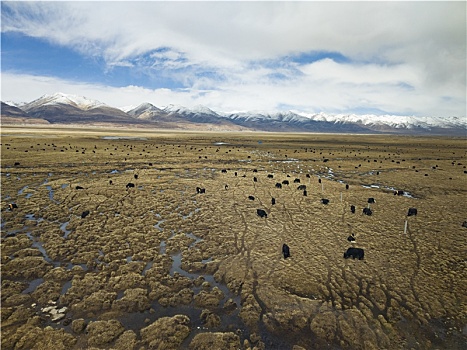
pixel 196 238
pixel 20 192
pixel 184 217
pixel 33 285
pixel 38 245
pixel 147 267
pixel 65 287
pixel 123 138
pixel 65 231
pixel 162 247
pixel 158 224
pixel 51 194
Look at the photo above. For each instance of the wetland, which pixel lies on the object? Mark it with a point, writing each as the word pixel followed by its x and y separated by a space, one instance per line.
pixel 89 262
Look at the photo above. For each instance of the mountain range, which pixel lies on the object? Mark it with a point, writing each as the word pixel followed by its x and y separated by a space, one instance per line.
pixel 62 108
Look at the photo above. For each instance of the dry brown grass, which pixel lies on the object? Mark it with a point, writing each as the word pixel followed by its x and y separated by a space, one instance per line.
pixel 408 292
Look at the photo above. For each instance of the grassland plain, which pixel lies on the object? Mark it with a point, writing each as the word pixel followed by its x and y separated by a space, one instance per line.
pixel 88 262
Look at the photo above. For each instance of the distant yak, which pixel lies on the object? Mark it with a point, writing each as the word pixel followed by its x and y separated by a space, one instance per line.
pixel 130 185
pixel 285 251
pixel 412 212
pixel 325 201
pixel 261 213
pixel 12 206
pixel 367 211
pixel 352 209
pixel 354 253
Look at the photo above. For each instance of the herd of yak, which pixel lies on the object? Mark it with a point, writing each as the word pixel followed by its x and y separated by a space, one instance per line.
pixel 352 252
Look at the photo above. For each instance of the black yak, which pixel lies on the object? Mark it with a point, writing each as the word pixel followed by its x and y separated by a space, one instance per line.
pixel 354 253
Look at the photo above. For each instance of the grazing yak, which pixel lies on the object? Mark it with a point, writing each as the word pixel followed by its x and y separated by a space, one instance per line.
pixel 278 185
pixel 296 181
pixel 301 187
pixel 251 198
pixel 351 238
pixel 285 251
pixel 130 185
pixel 84 214
pixel 285 182
pixel 12 206
pixel 412 212
pixel 354 253
pixel 371 200
pixel 270 176
pixel 367 211
pixel 352 209
pixel 200 190
pixel 79 188
pixel 305 193
pixel 273 200
pixel 324 201
pixel 261 213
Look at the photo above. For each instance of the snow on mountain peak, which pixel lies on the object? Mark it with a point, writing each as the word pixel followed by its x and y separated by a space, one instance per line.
pixel 74 100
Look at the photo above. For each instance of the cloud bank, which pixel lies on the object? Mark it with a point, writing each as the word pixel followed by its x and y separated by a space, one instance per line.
pixel 381 57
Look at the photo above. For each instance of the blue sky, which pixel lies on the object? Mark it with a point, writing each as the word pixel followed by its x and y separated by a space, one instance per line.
pixel 401 58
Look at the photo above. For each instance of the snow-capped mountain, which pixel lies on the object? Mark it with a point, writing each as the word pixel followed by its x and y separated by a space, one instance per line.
pixel 80 102
pixel 146 111
pixel 63 108
pixel 393 121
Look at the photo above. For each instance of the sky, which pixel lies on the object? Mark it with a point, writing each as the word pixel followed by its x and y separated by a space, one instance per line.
pixel 370 57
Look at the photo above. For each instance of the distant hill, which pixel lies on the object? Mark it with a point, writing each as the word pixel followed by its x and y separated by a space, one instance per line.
pixel 61 108
pixel 15 115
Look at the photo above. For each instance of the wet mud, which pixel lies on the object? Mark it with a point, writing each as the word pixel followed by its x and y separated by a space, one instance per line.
pixel 90 262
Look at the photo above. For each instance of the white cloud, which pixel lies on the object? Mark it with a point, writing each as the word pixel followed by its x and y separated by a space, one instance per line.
pixel 391 46
pixel 305 94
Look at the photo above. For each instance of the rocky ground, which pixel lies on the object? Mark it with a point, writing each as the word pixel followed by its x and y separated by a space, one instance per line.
pixel 90 262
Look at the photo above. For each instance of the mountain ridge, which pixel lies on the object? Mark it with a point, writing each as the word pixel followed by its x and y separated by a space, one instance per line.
pixel 64 108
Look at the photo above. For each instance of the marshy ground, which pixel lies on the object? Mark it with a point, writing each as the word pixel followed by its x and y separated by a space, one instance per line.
pixel 89 262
